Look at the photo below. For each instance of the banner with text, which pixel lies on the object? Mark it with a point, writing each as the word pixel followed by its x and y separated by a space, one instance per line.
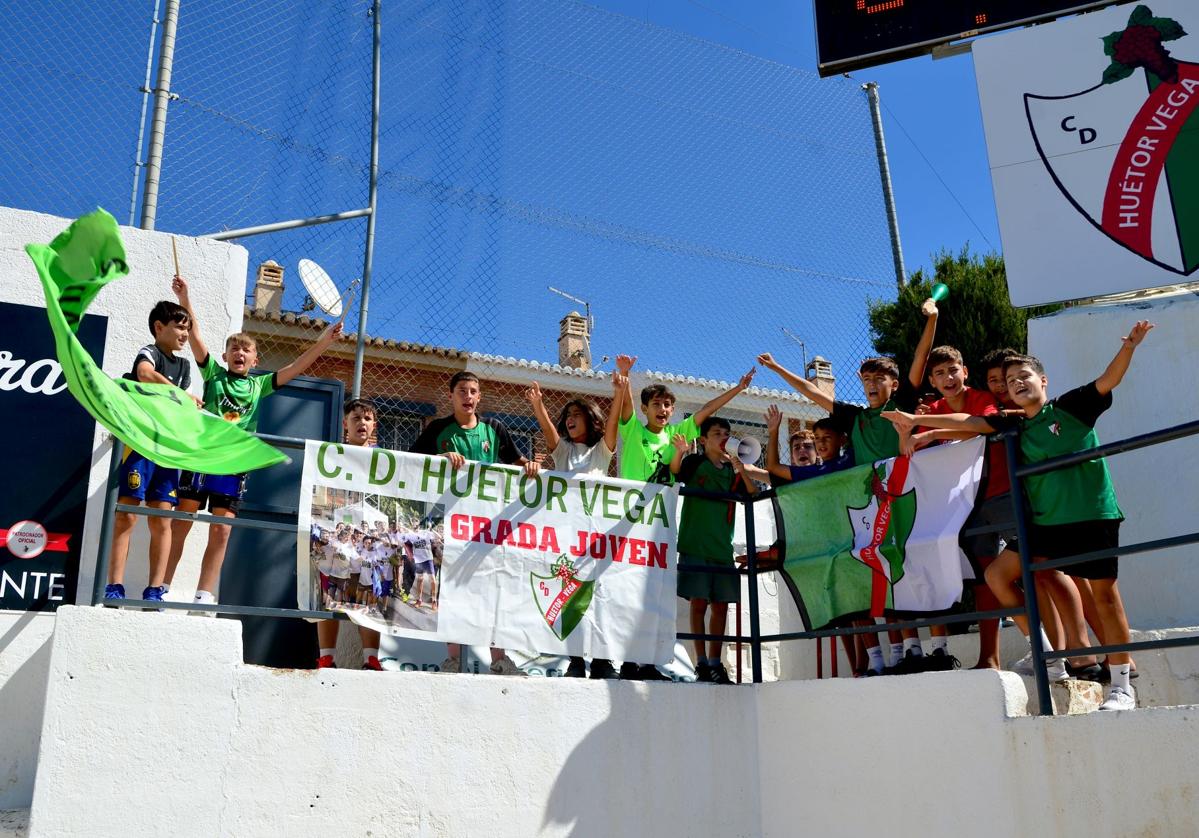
pixel 482 555
pixel 881 538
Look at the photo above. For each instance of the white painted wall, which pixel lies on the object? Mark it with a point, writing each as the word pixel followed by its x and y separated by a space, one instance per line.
pixel 1157 486
pixel 156 716
pixel 217 273
pixel 24 662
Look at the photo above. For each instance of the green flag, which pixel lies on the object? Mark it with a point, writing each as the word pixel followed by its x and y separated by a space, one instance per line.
pixel 880 538
pixel 159 421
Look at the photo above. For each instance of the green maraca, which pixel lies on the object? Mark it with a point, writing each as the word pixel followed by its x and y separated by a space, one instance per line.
pixel 940 292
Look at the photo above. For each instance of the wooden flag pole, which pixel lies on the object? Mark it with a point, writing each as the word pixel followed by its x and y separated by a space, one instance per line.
pixel 175 253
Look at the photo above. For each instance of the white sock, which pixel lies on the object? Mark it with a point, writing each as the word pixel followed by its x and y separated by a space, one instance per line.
pixel 941 643
pixel 327 653
pixel 1046 646
pixel 1121 672
pixel 205 598
pixel 367 654
pixel 876 658
pixel 166 587
pixel 912 644
pixel 896 653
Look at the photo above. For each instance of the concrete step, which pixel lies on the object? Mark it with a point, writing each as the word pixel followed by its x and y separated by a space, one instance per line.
pixel 14 823
pixel 1070 698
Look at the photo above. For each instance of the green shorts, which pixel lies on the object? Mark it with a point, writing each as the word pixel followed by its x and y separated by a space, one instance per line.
pixel 714 587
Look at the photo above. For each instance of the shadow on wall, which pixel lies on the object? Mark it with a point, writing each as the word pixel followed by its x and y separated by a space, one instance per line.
pixel 22 704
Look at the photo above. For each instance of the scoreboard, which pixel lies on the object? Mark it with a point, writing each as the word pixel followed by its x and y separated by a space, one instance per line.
pixel 852 34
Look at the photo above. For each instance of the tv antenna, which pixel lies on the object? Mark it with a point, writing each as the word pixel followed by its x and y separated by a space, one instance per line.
pixel 586 313
pixel 803 347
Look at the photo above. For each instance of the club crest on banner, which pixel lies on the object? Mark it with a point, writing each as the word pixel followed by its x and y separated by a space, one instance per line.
pixel 562 598
pixel 881 529
pixel 1137 117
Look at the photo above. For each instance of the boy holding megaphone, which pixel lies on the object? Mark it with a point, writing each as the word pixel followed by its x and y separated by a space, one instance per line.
pixel 706 535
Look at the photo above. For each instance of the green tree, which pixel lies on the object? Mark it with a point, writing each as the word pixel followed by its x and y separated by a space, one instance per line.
pixel 975 318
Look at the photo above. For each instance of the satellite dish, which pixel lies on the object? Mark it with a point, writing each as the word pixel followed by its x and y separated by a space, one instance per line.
pixel 321 289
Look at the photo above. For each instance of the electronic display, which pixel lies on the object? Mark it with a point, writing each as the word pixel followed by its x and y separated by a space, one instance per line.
pixel 852 34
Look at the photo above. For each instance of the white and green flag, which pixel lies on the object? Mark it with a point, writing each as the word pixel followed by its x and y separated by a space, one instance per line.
pixel 880 538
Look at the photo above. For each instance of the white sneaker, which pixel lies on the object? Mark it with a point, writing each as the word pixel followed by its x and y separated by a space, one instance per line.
pixel 1120 699
pixel 1056 670
pixel 451 665
pixel 203 598
pixel 1023 666
pixel 505 666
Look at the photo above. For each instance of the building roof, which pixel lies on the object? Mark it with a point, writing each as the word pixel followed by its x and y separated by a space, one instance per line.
pixel 519 370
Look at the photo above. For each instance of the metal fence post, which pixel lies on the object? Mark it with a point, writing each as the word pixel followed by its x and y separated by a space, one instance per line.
pixel 368 256
pixel 104 551
pixel 1044 699
pixel 755 623
pixel 158 125
pixel 884 173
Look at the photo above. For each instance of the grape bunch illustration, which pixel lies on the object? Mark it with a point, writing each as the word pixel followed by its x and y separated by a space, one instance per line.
pixel 1140 45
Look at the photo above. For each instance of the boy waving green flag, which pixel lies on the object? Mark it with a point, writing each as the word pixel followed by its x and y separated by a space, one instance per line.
pixel 156 420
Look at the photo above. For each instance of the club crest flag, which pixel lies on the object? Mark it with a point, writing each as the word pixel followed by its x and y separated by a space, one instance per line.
pixel 882 538
pixel 159 421
pixel 484 556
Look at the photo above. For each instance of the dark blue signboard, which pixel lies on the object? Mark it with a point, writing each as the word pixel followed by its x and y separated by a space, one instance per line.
pixel 47 443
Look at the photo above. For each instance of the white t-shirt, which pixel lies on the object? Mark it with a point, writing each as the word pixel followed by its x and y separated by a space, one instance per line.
pixel 337 560
pixel 577 458
pixel 421 543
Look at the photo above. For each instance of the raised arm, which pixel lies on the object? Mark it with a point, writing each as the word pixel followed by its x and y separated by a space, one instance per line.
pixel 624 363
pixel 199 350
pixel 948 421
pixel 300 365
pixel 1114 374
pixel 681 447
pixel 612 425
pixel 920 356
pixel 774 420
pixel 533 394
pixel 806 388
pixel 724 398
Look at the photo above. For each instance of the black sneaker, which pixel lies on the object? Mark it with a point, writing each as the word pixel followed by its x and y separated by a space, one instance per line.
pixel 719 675
pixel 649 672
pixel 576 669
pixel 941 661
pixel 874 673
pixel 703 673
pixel 602 670
pixel 909 664
pixel 630 671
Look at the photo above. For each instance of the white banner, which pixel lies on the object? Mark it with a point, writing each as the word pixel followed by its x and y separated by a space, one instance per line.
pixel 556 564
pixel 1089 124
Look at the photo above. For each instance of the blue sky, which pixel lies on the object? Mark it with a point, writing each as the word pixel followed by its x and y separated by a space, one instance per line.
pixel 703 198
pixel 931 115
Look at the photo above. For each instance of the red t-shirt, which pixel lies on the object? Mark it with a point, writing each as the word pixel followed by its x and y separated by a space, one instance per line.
pixel 982 403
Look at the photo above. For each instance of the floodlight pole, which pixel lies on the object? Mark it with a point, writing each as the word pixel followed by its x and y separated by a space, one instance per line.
pixel 369 256
pixel 884 172
pixel 158 125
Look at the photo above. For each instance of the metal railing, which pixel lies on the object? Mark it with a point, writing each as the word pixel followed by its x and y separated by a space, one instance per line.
pixel 753 564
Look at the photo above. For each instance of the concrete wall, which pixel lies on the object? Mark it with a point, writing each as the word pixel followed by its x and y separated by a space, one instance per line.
pixel 217 274
pixel 1157 486
pixel 156 718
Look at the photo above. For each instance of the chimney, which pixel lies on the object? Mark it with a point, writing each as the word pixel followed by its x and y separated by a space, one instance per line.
pixel 574 342
pixel 820 372
pixel 268 287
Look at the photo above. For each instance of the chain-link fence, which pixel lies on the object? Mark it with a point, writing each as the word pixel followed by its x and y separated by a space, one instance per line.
pixel 707 205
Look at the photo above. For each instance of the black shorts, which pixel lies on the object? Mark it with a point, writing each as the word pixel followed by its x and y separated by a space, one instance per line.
pixel 998 512
pixel 213 491
pixel 1058 541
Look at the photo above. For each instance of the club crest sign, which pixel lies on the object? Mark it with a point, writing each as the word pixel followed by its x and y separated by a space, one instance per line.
pixel 1141 115
pixel 1092 129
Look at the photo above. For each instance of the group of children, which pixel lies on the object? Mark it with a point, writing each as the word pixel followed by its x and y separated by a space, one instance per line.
pixel 1074 510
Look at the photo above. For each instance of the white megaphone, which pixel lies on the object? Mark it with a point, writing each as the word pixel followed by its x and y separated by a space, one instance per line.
pixel 746 450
